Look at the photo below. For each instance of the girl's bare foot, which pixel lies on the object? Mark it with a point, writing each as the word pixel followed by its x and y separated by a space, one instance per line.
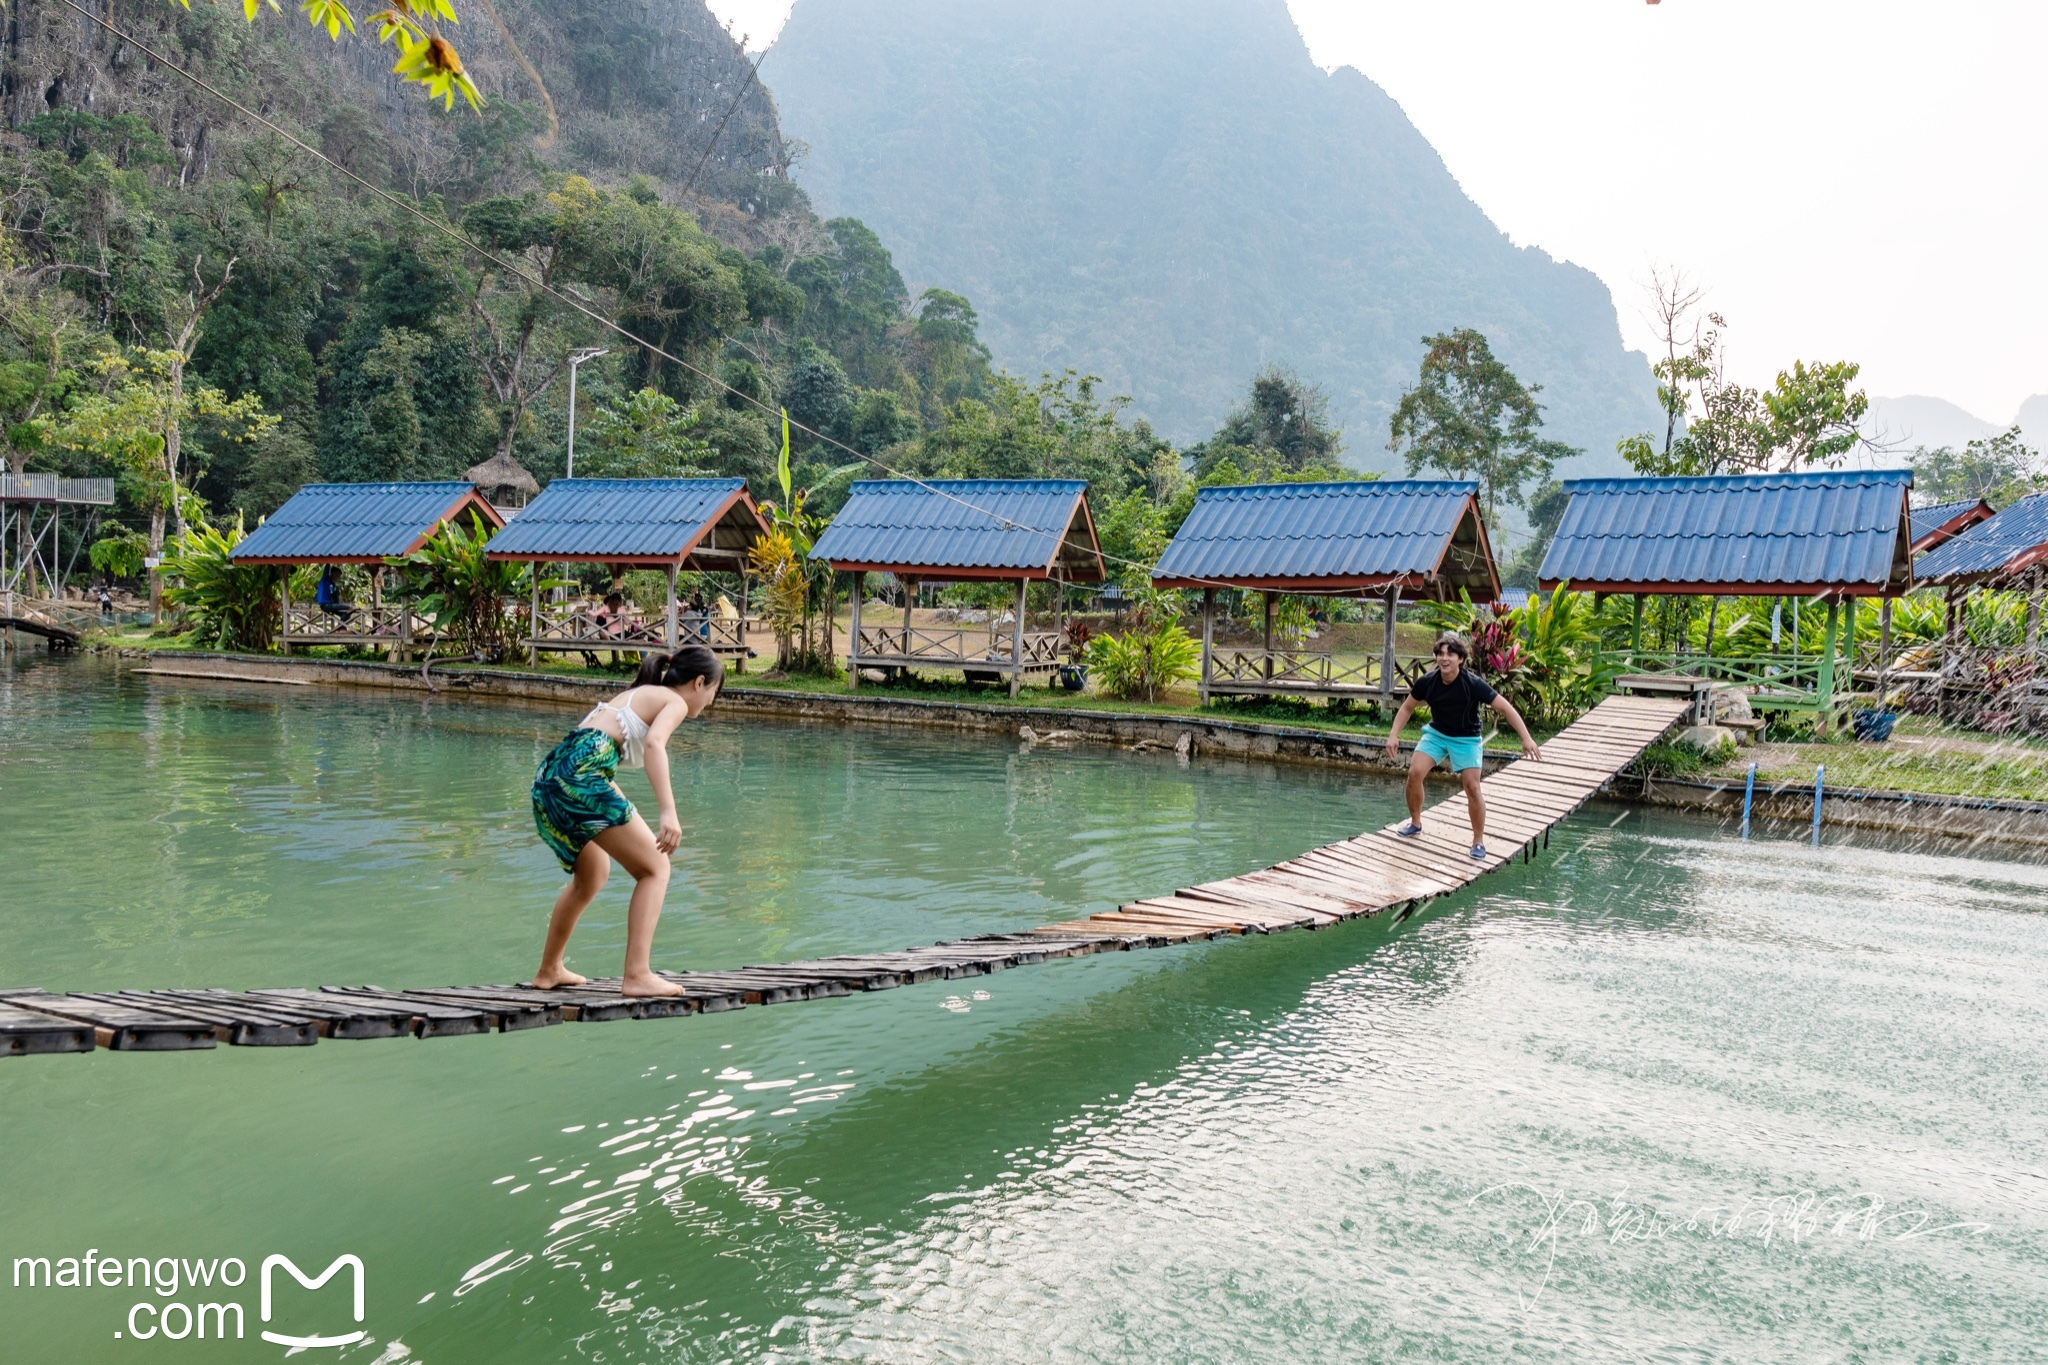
pixel 545 980
pixel 648 984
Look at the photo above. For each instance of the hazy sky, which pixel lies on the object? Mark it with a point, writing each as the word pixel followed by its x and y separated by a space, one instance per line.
pixel 1863 181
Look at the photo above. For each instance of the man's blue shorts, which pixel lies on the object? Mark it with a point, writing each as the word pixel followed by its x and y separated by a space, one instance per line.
pixel 1460 751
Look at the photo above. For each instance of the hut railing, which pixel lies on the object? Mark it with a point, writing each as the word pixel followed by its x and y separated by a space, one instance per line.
pixel 382 624
pixel 1306 670
pixel 920 644
pixel 585 629
pixel 1769 672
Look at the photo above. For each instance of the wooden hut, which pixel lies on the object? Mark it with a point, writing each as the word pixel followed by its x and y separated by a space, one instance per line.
pixel 335 524
pixel 955 530
pixel 706 525
pixel 2007 552
pixel 1391 539
pixel 1841 535
pixel 1944 521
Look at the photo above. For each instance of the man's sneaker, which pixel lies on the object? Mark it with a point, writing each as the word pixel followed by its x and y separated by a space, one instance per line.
pixel 1479 853
pixel 1408 831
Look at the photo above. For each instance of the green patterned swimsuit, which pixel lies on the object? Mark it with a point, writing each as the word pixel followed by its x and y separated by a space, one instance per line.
pixel 574 797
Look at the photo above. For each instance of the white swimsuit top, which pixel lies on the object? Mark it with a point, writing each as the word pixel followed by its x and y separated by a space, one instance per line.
pixel 632 730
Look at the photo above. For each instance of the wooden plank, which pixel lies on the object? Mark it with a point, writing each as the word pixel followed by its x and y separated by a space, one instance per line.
pixel 1171 930
pixel 25 1033
pixel 1376 895
pixel 520 1006
pixel 235 1025
pixel 753 990
pixel 1272 911
pixel 1195 915
pixel 342 1017
pixel 429 1020
pixel 126 1028
pixel 507 1012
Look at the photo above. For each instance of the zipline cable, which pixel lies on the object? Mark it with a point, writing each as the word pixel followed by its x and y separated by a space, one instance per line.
pixel 448 230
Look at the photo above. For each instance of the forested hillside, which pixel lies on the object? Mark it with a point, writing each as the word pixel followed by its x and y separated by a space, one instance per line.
pixel 1169 194
pixel 193 304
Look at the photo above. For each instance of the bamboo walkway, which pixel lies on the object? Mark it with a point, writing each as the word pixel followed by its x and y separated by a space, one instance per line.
pixel 1374 872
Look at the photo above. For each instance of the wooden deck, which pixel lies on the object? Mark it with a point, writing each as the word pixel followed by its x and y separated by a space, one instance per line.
pixel 1375 871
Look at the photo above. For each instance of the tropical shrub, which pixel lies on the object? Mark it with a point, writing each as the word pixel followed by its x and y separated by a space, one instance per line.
pixel 783 597
pixel 1141 664
pixel 221 603
pixel 451 583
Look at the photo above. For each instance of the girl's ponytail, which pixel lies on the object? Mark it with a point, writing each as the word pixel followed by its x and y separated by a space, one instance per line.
pixel 681 668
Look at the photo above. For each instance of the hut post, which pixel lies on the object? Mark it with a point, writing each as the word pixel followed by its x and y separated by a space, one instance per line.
pixel 1268 596
pixel 1392 610
pixel 1849 650
pixel 909 596
pixel 284 611
pixel 740 663
pixel 1208 638
pixel 853 633
pixel 377 606
pixel 1635 633
pixel 533 618
pixel 2033 635
pixel 404 626
pixel 669 611
pixel 1884 647
pixel 1827 668
pixel 1017 640
pixel 1059 609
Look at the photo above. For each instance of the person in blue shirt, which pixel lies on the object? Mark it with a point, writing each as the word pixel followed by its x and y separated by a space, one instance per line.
pixel 1454 694
pixel 328 594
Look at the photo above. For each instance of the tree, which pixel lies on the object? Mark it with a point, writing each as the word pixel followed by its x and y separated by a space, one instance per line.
pixel 649 436
pixel 1284 423
pixel 1058 428
pixel 2000 469
pixel 137 419
pixel 1810 415
pixel 1468 417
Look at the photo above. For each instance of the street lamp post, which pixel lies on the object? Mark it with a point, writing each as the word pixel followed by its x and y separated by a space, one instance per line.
pixel 575 360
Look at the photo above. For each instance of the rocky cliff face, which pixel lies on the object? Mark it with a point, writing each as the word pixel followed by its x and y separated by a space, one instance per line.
pixel 605 87
pixel 1170 193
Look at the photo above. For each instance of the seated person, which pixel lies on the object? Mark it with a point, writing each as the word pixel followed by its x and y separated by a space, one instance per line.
pixel 328 595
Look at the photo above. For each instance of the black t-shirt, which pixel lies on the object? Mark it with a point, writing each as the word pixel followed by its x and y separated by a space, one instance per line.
pixel 1454 706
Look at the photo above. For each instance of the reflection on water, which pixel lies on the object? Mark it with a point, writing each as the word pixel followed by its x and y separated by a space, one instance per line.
pixel 1660 1095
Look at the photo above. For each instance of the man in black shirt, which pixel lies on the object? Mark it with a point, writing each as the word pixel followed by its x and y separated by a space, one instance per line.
pixel 1453 695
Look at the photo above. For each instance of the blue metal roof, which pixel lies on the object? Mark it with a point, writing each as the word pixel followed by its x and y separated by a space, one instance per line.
pixel 343 521
pixel 1934 516
pixel 1752 532
pixel 1992 547
pixel 625 518
pixel 1350 530
pixel 937 524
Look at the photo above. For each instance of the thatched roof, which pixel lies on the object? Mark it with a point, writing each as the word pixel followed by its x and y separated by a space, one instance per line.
pixel 502 471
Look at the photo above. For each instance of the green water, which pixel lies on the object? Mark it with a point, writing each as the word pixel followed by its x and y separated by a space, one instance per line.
pixel 1659 1096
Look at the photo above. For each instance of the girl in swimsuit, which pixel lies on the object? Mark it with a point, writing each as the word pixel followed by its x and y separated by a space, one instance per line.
pixel 586 821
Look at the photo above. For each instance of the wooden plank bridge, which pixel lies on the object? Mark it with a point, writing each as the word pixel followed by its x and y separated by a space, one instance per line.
pixel 58 636
pixel 1374 872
